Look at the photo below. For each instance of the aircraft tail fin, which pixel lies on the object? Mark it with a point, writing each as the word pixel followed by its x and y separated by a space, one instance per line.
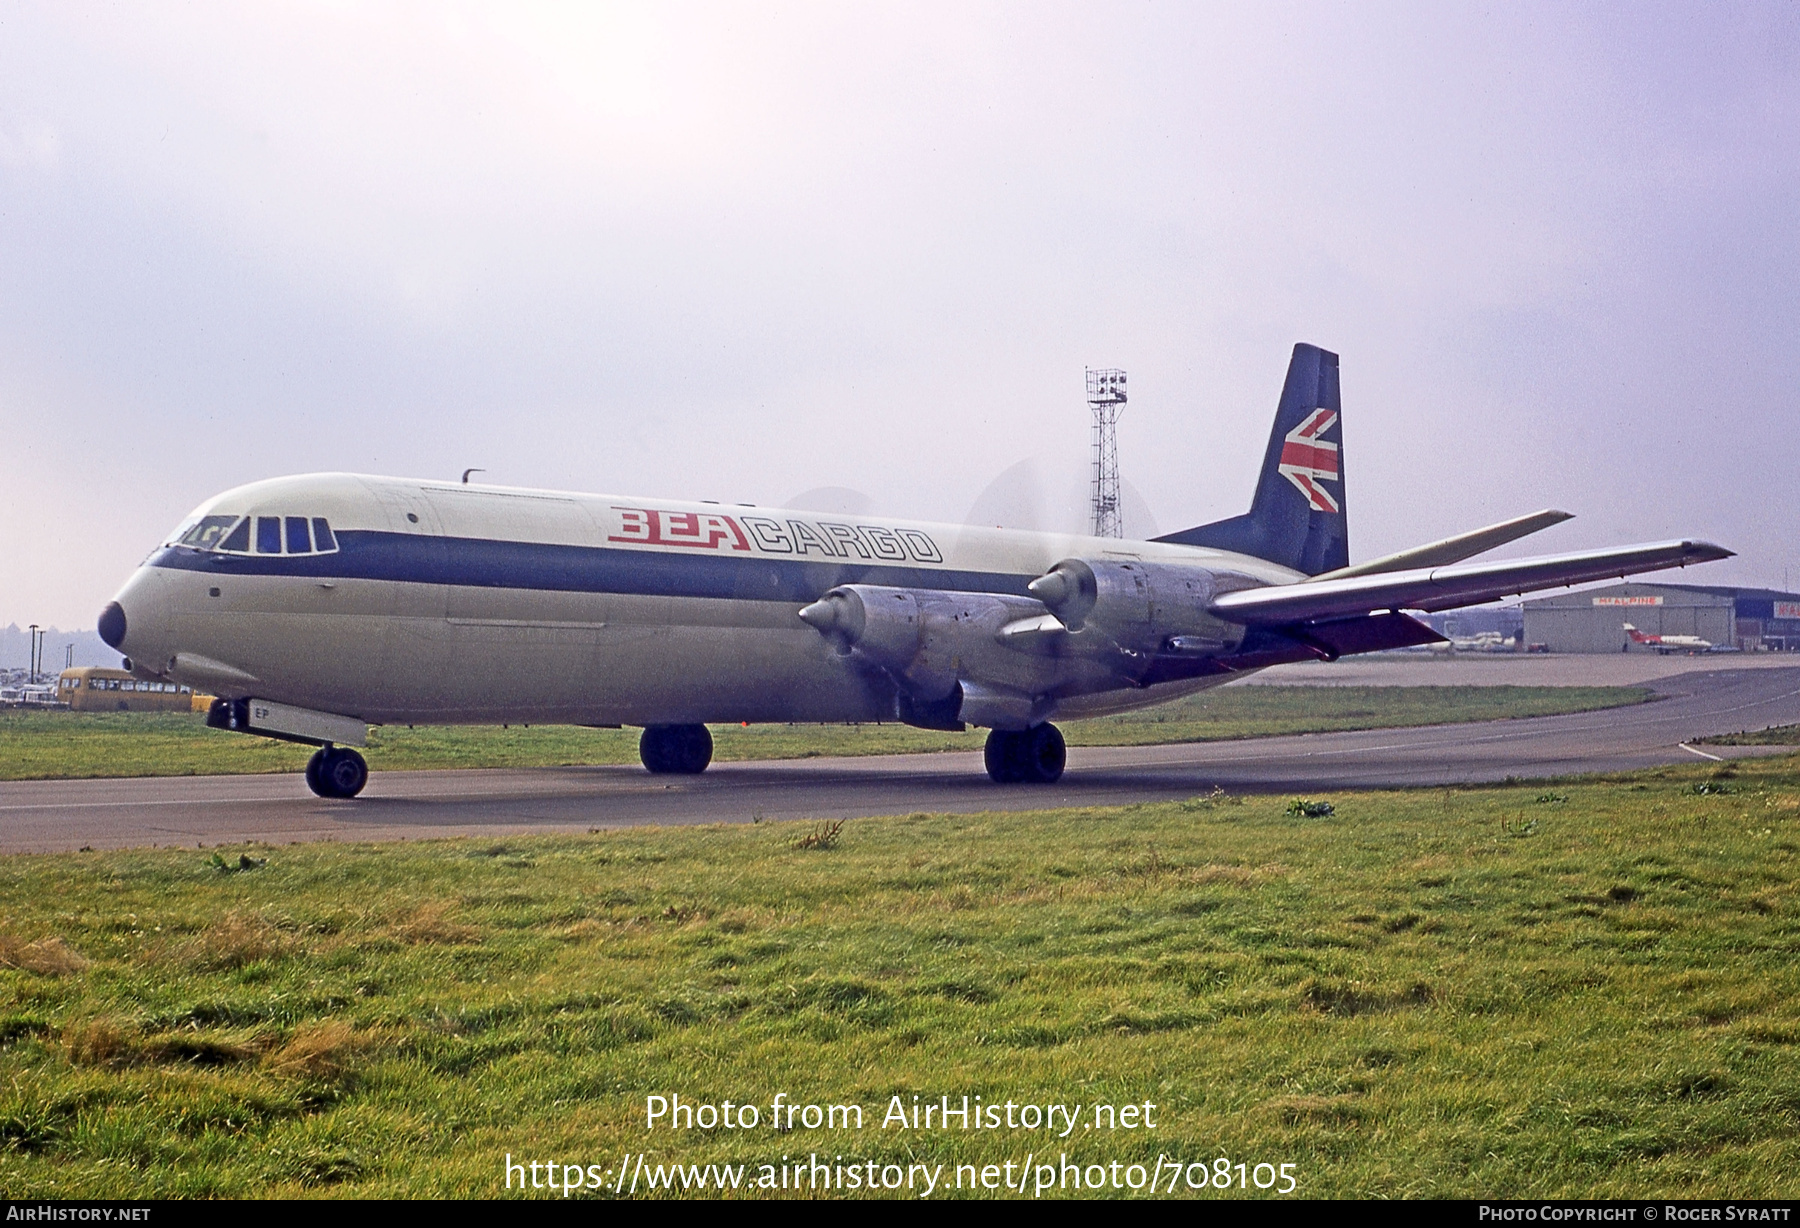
pixel 1299 517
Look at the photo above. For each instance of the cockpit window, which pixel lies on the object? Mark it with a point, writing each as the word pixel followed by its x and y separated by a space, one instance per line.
pixel 298 534
pixel 238 540
pixel 208 532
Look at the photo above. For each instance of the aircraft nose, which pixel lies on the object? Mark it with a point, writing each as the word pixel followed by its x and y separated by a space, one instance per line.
pixel 112 624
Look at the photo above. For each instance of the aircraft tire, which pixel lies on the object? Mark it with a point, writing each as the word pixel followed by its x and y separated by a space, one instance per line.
pixel 1003 758
pixel 1043 754
pixel 676 750
pixel 343 773
pixel 1026 756
pixel 313 780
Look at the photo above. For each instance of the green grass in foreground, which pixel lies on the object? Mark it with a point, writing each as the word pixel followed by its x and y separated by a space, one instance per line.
pixel 1587 989
pixel 63 745
pixel 1774 735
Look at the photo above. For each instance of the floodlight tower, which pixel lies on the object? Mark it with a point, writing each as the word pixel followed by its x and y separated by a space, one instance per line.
pixel 1106 397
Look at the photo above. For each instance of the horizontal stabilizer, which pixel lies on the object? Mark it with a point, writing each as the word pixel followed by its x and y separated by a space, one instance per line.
pixel 1314 641
pixel 1454 549
pixel 1446 588
pixel 1371 633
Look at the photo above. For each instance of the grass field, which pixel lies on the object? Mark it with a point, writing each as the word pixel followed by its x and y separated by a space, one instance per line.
pixel 1774 735
pixel 62 745
pixel 1585 989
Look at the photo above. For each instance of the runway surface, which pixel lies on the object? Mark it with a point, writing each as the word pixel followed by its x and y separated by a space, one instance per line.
pixel 1512 668
pixel 51 816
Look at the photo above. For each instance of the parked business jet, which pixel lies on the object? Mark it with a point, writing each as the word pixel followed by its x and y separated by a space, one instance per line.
pixel 1666 644
pixel 317 605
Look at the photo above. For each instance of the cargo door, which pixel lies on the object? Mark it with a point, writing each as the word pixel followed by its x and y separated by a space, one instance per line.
pixel 416 658
pixel 525 601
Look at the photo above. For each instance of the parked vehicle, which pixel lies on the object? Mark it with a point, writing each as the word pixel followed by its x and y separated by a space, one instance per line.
pixel 92 688
pixel 31 695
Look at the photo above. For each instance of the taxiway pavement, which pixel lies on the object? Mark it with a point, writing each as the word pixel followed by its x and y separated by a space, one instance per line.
pixel 55 816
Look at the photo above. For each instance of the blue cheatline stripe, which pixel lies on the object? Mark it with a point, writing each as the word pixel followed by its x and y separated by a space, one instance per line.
pixel 480 563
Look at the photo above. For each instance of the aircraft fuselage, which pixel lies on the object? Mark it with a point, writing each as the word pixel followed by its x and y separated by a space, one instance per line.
pixel 445 603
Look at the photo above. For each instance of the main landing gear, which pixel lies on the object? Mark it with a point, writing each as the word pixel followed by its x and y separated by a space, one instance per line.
pixel 679 750
pixel 1034 755
pixel 336 772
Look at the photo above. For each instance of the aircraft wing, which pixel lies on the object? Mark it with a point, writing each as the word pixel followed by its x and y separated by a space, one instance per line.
pixel 1453 549
pixel 1446 588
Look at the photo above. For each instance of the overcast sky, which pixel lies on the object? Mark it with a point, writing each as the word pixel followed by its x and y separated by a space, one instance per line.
pixel 741 251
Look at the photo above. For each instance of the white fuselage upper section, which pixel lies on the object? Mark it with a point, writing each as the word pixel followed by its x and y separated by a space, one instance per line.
pixel 401 600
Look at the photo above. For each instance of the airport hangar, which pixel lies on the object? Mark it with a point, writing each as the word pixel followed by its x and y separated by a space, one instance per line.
pixel 1747 619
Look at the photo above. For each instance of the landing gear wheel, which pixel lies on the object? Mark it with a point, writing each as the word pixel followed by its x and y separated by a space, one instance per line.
pixel 1005 765
pixel 1036 755
pixel 1044 753
pixel 336 772
pixel 679 750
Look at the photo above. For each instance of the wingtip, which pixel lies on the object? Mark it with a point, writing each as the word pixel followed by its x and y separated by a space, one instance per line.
pixel 1703 552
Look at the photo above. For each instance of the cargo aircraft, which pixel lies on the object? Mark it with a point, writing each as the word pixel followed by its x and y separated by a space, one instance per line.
pixel 315 606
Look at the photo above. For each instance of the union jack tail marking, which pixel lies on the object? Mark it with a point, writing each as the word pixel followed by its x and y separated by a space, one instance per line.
pixel 1306 460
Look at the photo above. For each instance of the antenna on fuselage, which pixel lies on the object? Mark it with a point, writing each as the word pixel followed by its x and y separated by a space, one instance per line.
pixel 467 472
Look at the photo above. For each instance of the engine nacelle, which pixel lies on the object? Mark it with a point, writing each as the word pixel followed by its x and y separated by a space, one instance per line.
pixel 1143 607
pixel 944 649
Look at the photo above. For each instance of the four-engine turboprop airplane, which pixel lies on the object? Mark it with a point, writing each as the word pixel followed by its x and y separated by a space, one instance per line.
pixel 316 605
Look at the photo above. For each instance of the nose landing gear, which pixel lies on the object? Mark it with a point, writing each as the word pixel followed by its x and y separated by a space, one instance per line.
pixel 1034 755
pixel 336 772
